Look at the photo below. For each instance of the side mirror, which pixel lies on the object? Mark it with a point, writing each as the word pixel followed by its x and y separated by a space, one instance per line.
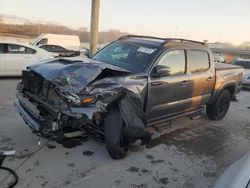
pixel 161 71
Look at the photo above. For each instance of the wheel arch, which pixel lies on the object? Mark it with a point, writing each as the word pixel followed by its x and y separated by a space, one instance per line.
pixel 231 87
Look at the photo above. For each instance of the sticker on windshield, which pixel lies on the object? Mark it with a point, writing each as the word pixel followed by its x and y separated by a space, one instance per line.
pixel 146 50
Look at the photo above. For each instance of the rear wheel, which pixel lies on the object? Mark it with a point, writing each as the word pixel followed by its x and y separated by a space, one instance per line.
pixel 219 108
pixel 113 134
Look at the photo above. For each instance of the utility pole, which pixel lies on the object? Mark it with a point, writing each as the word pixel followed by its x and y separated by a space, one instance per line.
pixel 94 26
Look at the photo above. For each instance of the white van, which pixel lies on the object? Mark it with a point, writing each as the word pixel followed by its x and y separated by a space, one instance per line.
pixel 70 42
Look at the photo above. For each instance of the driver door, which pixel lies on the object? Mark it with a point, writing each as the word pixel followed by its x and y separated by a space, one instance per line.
pixel 166 94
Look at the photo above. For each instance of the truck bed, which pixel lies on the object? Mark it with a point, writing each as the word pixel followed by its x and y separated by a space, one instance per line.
pixel 227 74
pixel 224 66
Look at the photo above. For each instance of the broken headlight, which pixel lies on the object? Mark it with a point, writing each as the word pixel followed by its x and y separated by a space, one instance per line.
pixel 80 100
pixel 72 98
pixel 88 100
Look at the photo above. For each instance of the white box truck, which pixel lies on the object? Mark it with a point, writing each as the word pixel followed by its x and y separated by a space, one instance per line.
pixel 70 42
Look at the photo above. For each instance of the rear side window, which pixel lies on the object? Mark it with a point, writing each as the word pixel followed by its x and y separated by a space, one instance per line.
pixel 57 49
pixel 18 49
pixel 1 48
pixel 30 51
pixel 175 60
pixel 46 47
pixel 197 61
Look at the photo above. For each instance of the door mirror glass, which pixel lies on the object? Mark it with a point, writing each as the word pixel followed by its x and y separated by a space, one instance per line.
pixel 161 70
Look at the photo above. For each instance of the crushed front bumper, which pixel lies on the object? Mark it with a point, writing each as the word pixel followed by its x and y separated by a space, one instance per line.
pixel 80 117
pixel 27 116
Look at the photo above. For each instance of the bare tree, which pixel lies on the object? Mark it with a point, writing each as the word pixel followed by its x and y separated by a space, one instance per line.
pixel 245 45
pixel 33 30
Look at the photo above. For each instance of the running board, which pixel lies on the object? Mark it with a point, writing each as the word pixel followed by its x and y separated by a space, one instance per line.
pixel 195 115
pixel 174 116
pixel 162 126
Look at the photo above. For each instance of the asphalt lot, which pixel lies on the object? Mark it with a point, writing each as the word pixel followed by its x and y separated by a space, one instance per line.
pixel 190 153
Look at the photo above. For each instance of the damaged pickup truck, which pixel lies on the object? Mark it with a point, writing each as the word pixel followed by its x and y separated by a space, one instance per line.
pixel 132 83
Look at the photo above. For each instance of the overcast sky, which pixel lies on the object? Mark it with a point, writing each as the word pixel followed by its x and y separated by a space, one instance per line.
pixel 213 20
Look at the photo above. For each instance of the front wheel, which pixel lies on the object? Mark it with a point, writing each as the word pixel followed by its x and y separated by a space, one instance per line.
pixel 219 108
pixel 113 134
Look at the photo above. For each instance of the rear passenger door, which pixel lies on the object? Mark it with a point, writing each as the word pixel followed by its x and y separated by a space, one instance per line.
pixel 201 78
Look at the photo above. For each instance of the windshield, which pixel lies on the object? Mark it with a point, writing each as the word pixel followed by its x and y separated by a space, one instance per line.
pixel 244 64
pixel 132 57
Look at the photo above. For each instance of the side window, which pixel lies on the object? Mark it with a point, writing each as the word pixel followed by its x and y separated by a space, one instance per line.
pixel 42 47
pixel 46 47
pixel 42 41
pixel 1 48
pixel 30 51
pixel 57 48
pixel 18 49
pixel 197 61
pixel 15 49
pixel 175 60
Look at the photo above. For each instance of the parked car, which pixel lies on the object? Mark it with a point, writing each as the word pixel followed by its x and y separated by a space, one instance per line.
pixel 62 52
pixel 218 58
pixel 131 83
pixel 85 51
pixel 69 42
pixel 245 63
pixel 236 175
pixel 14 57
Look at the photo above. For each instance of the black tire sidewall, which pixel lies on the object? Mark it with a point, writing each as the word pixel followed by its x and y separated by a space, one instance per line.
pixel 213 109
pixel 113 134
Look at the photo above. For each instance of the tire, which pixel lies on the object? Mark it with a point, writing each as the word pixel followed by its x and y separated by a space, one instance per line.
pixel 219 108
pixel 113 134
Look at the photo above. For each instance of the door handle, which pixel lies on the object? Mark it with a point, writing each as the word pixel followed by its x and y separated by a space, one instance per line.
pixel 184 83
pixel 209 79
pixel 156 83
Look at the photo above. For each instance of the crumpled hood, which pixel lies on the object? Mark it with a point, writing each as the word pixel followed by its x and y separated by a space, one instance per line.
pixel 74 76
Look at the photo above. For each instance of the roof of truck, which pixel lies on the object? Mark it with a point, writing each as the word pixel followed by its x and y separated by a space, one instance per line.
pixel 158 42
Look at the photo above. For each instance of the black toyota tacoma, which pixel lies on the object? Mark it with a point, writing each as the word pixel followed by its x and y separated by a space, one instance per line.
pixel 134 82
